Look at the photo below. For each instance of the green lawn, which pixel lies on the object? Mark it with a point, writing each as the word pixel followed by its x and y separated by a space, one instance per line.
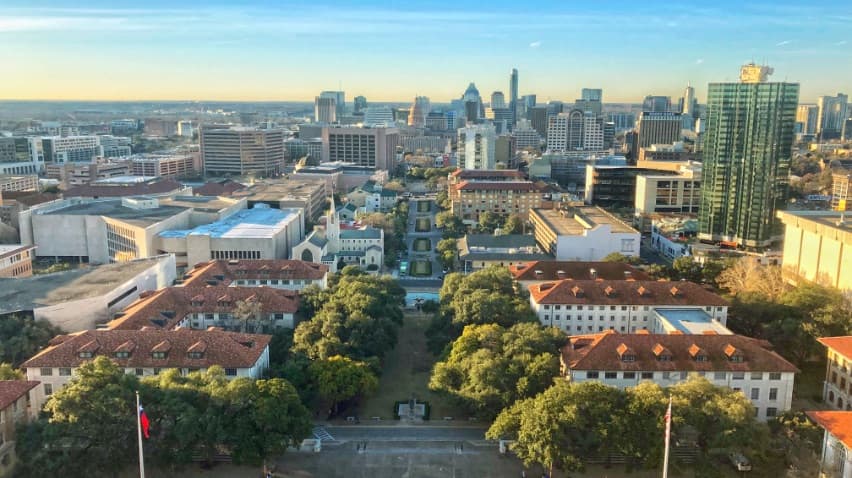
pixel 406 371
pixel 423 224
pixel 421 268
pixel 424 206
pixel 422 245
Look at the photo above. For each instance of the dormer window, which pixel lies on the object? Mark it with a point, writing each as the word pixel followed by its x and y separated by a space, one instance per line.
pixel 697 353
pixel 734 354
pixel 662 353
pixel 195 355
pixel 122 355
pixel 85 354
pixel 625 353
pixel 158 355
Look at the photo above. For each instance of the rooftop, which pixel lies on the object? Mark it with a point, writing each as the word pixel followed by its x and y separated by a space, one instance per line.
pixel 365 233
pixel 12 390
pixel 577 221
pixel 504 241
pixel 27 293
pixel 602 352
pixel 124 180
pixel 200 203
pixel 691 321
pixel 114 208
pixel 821 222
pixel 841 345
pixel 261 221
pixel 838 424
pixel 498 186
pixel 222 187
pixel 159 186
pixel 555 270
pixel 226 271
pixel 618 292
pixel 465 174
pixel 277 190
pixel 226 349
pixel 11 249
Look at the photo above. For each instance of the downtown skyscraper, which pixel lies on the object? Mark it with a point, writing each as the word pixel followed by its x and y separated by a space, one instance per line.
pixel 746 160
pixel 513 96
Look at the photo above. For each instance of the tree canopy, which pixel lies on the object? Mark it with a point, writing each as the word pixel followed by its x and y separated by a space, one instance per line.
pixel 490 367
pixel 21 337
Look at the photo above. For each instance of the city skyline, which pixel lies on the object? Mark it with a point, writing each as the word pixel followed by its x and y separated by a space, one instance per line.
pixel 256 52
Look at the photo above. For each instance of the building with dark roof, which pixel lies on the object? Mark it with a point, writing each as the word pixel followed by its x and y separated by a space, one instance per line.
pixel 124 186
pixel 147 352
pixel 478 251
pixel 534 272
pixel 740 363
pixel 587 306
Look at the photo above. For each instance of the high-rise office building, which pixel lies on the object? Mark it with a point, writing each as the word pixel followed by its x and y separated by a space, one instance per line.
pixel 807 117
pixel 498 100
pixel 513 95
pixel 368 147
pixel 378 116
pixel 746 157
pixel 419 110
pixel 19 155
pixel 325 110
pixel 659 128
pixel 360 104
pixel 114 146
pixel 832 113
pixel 473 108
pixel 847 130
pixel 71 149
pixel 568 132
pixel 591 94
pixel 538 118
pixel 687 107
pixel 476 147
pixel 590 101
pixel 241 150
pixel 526 137
pixel 657 103
pixel 339 101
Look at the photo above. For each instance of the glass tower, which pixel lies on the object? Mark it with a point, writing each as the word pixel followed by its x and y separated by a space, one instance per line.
pixel 746 158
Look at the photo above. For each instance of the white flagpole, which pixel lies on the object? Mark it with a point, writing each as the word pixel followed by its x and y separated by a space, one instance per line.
pixel 139 436
pixel 668 439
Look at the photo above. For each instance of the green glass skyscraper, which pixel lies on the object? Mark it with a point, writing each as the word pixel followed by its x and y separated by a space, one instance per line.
pixel 746 158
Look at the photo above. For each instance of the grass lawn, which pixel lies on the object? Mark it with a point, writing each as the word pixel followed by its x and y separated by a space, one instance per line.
pixel 407 370
pixel 423 224
pixel 422 245
pixel 424 206
pixel 421 268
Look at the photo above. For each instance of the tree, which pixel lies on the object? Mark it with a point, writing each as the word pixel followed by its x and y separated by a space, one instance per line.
pixel 490 367
pixel 451 225
pixel 340 379
pixel 395 186
pixel 442 198
pixel 514 225
pixel 447 251
pixel 21 337
pixel 748 275
pixel 619 257
pixel 7 372
pixel 489 221
pixel 249 310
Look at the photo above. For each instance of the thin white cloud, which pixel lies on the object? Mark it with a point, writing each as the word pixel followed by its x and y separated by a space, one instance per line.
pixel 535 44
pixel 699 61
pixel 785 42
pixel 841 43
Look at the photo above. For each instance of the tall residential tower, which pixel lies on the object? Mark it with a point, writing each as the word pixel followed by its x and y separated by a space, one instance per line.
pixel 513 95
pixel 746 160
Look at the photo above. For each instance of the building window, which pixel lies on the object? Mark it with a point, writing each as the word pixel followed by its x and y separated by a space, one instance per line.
pixel 757 375
pixel 774 376
pixel 140 372
pixel 231 372
pixel 64 372
pixel 667 375
pixel 610 375
pixel 157 371
pixel 771 412
pixel 195 355
pixel 773 394
pixel 592 375
pixel 158 355
pixel 719 375
pixel 738 376
pixel 46 371
pixel 122 355
pixel 629 375
pixel 85 355
pixel 647 375
pixel 755 394
pixel 48 389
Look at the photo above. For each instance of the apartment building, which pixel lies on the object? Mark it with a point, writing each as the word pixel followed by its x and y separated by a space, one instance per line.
pixel 740 363
pixel 146 352
pixel 471 198
pixel 16 260
pixel 626 306
pixel 71 149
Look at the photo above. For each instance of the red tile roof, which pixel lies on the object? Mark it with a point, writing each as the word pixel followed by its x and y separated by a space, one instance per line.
pixel 550 271
pixel 165 308
pixel 601 352
pixel 624 292
pixel 841 345
pixel 497 186
pixel 837 423
pixel 487 173
pixel 229 271
pixel 12 390
pixel 226 349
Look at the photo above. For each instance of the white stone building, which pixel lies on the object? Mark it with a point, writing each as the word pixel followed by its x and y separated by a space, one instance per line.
pixel 583 234
pixel 836 454
pixel 741 363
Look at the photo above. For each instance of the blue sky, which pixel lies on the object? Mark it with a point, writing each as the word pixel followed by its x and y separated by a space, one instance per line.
pixel 391 51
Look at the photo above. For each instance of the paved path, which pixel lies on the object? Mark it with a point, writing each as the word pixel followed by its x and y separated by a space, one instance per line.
pixel 427 433
pixel 434 235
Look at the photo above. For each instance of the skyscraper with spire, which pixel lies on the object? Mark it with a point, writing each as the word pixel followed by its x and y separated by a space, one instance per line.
pixel 746 159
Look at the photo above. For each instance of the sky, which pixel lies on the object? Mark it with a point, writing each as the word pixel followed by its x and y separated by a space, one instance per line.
pixel 392 51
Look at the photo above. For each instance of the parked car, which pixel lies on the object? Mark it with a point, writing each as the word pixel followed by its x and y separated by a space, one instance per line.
pixel 739 461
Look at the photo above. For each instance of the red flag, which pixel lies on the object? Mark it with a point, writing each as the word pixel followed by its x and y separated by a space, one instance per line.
pixel 143 420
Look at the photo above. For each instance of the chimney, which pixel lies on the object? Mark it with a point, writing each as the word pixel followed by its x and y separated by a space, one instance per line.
pixel 593 273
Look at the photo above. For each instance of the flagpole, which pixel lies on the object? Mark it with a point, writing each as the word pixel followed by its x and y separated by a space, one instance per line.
pixel 668 439
pixel 139 436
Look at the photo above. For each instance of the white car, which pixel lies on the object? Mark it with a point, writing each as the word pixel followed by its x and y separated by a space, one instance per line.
pixel 739 461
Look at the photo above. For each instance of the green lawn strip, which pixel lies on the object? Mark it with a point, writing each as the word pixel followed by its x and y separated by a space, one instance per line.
pixel 424 206
pixel 423 224
pixel 421 268
pixel 406 371
pixel 422 245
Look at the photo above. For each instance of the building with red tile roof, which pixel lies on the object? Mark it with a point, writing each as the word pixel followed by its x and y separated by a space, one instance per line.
pixel 536 272
pixel 276 273
pixel 471 198
pixel 741 363
pixel 837 387
pixel 836 456
pixel 586 306
pixel 14 409
pixel 147 352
